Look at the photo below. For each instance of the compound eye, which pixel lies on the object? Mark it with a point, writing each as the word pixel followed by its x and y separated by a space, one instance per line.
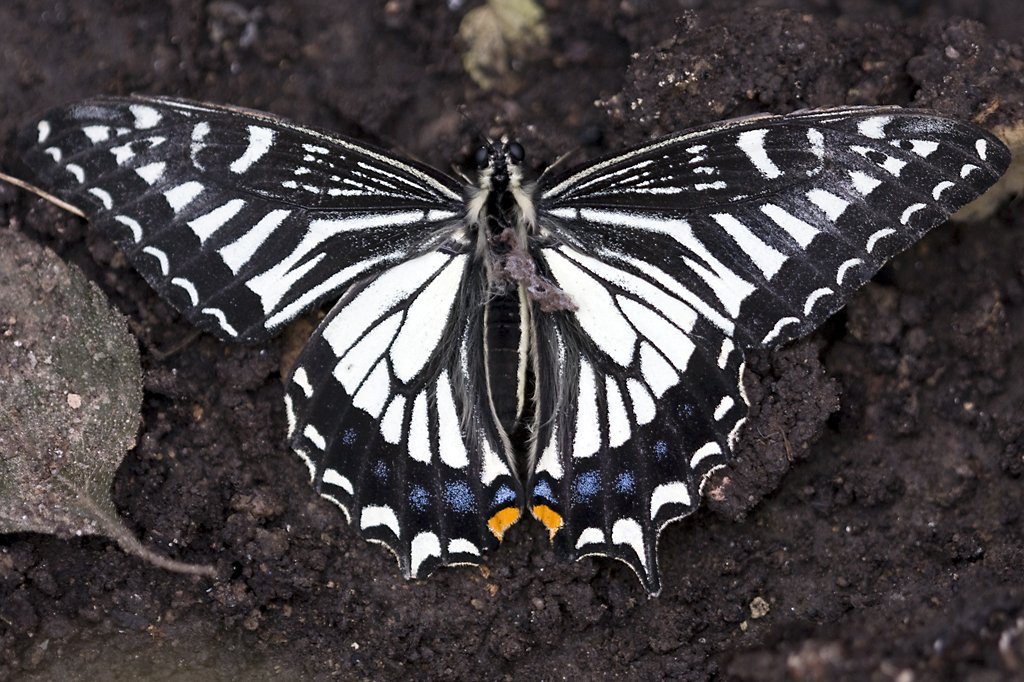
pixel 482 158
pixel 516 153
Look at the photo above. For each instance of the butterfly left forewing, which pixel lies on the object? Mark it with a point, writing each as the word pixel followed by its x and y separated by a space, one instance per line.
pixel 240 219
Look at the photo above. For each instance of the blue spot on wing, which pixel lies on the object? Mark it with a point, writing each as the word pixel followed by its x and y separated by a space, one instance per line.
pixel 624 482
pixel 660 449
pixel 380 471
pixel 349 437
pixel 458 496
pixel 419 498
pixel 586 486
pixel 543 489
pixel 504 494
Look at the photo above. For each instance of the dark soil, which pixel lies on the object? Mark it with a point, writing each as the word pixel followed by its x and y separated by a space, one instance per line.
pixel 875 505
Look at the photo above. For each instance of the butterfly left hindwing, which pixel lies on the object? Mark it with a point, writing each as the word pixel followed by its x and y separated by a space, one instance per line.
pixel 386 406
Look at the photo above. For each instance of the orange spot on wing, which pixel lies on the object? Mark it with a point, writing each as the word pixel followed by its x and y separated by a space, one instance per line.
pixel 549 517
pixel 501 521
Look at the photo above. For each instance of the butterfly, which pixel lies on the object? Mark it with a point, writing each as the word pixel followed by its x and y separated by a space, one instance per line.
pixel 570 345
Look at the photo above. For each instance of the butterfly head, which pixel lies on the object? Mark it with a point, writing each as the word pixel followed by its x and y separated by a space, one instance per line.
pixel 499 164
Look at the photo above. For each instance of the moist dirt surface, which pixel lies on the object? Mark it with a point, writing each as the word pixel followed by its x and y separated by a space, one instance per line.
pixel 869 529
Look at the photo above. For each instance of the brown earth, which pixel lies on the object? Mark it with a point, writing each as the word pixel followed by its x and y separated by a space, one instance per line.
pixel 874 509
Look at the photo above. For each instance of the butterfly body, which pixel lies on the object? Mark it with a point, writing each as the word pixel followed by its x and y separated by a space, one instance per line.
pixel 571 348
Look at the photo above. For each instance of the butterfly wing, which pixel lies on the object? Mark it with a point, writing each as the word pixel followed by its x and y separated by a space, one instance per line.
pixel 682 253
pixel 387 405
pixel 240 219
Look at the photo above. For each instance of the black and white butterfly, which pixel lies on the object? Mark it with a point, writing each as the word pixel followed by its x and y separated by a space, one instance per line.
pixel 571 346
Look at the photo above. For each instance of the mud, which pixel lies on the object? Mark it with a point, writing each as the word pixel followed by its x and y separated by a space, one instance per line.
pixel 870 528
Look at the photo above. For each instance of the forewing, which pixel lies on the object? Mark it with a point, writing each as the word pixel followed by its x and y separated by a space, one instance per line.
pixel 239 219
pixel 387 407
pixel 771 223
pixel 681 254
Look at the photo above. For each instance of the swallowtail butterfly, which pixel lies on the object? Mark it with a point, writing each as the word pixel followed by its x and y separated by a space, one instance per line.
pixel 571 346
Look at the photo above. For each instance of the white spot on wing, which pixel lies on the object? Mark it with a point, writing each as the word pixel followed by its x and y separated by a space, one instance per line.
pixel 967 169
pixel 767 259
pixel 423 546
pixel 161 258
pixel 813 298
pixel 96 133
pixel 76 170
pixel 841 273
pixel 880 234
pixel 260 140
pixel 103 195
pixel 315 437
pixel 590 536
pixel 189 288
pixel 54 153
pixel 675 492
pixel 452 447
pixel 334 477
pixel 874 127
pixel 222 320
pixel 909 211
pixel 618 420
pixel 122 153
pixel 777 329
pixel 419 432
pixel 132 225
pixel 425 321
pixel 923 147
pixel 42 131
pixel 379 515
pixel 301 379
pixel 864 183
pixel 628 532
pixel 145 117
pixel 205 225
pixel 703 452
pixel 801 232
pixel 151 172
pixel 180 196
pixel 982 148
pixel 643 403
pixel 723 407
pixel 940 188
pixel 831 205
pixel 723 355
pixel 392 422
pixel 462 546
pixel 587 440
pixel 751 143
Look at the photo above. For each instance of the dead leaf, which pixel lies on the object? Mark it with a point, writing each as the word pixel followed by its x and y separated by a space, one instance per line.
pixel 70 392
pixel 497 35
